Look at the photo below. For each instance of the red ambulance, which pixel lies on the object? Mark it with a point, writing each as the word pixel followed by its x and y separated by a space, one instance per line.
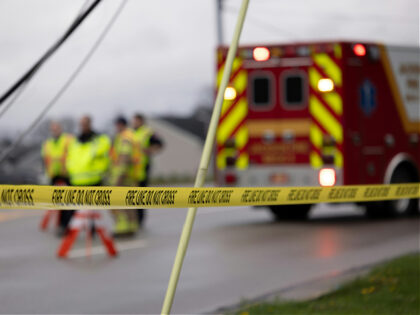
pixel 327 113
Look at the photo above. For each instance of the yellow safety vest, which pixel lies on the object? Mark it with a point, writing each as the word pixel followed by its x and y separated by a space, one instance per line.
pixel 141 159
pixel 87 162
pixel 123 146
pixel 54 152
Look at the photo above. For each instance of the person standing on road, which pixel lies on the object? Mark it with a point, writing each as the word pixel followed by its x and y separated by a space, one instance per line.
pixel 147 144
pixel 54 154
pixel 88 158
pixel 121 174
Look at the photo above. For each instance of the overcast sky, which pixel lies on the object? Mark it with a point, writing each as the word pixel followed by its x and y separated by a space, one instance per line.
pixel 159 56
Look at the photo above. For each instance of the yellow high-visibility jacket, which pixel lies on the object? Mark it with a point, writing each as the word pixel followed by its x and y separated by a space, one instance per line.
pixel 88 162
pixel 54 152
pixel 141 159
pixel 122 158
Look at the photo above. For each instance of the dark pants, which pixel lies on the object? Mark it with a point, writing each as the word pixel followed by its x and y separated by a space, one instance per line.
pixel 141 213
pixel 64 215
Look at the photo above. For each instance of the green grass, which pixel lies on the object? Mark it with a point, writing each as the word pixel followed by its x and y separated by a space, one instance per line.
pixel 391 288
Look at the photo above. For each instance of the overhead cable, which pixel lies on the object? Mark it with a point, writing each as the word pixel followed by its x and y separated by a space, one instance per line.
pixel 66 85
pixel 49 52
pixel 24 85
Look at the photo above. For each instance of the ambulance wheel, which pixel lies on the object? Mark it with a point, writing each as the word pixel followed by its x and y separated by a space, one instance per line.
pixel 292 212
pixel 400 207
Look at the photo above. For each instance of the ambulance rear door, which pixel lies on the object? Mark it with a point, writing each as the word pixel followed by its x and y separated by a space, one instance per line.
pixel 278 118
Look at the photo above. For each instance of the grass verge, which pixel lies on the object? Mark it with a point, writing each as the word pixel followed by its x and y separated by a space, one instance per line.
pixel 391 288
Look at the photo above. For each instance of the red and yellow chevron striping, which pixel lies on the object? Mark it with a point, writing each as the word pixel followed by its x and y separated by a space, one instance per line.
pixel 232 125
pixel 326 109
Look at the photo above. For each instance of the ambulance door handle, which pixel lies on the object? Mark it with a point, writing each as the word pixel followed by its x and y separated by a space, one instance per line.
pixel 288 135
pixel 269 136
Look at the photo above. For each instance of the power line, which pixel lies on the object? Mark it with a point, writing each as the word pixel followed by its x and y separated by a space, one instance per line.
pixel 263 24
pixel 24 85
pixel 66 85
pixel 14 98
pixel 49 52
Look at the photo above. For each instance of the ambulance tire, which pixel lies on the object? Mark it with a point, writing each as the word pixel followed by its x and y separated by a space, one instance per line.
pixel 396 208
pixel 290 212
pixel 403 174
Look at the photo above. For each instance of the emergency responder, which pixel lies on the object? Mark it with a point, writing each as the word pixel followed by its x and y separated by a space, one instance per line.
pixel 121 174
pixel 88 157
pixel 147 144
pixel 54 153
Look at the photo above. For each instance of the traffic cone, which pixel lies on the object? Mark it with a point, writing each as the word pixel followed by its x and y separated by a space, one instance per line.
pixel 50 213
pixel 83 220
pixel 47 217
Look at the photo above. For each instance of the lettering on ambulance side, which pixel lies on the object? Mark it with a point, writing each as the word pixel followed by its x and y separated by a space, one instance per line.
pixel 81 197
pixel 147 197
pixel 17 197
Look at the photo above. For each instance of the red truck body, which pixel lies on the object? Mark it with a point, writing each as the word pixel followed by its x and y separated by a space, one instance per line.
pixel 292 110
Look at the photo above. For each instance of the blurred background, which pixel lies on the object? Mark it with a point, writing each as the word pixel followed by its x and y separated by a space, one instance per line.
pixel 158 59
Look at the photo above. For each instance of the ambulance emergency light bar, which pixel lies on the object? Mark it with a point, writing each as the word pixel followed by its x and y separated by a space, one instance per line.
pixel 261 53
pixel 359 50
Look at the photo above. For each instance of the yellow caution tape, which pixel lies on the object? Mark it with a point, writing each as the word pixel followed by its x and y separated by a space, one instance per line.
pixel 71 197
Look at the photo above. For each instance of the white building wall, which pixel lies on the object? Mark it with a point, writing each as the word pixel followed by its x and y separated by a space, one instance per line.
pixel 181 153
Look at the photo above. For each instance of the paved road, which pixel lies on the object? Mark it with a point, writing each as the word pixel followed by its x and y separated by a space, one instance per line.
pixel 235 253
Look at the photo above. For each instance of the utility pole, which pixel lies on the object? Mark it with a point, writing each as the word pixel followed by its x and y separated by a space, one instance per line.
pixel 219 9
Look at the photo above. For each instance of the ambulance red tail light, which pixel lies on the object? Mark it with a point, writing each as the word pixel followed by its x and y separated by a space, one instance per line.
pixel 359 50
pixel 327 177
pixel 261 54
pixel 230 179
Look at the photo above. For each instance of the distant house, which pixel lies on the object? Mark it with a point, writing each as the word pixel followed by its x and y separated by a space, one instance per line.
pixel 23 166
pixel 195 124
pixel 181 155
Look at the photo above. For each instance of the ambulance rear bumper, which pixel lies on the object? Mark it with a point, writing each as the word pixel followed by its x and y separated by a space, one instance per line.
pixel 273 176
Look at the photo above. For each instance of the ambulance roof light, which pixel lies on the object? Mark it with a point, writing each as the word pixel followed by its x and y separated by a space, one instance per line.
pixel 359 50
pixel 261 54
